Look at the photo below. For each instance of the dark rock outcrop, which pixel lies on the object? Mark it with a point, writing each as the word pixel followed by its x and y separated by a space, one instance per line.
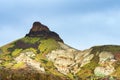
pixel 40 30
pixel 37 26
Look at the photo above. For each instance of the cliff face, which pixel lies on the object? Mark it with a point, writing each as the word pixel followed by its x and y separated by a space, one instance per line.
pixel 40 30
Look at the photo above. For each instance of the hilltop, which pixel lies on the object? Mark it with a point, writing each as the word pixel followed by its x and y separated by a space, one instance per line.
pixel 42 55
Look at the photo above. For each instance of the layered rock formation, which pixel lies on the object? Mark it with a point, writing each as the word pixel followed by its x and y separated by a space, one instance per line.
pixel 40 30
pixel 69 60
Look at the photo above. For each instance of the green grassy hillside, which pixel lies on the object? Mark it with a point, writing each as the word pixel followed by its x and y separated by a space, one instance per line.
pixel 40 47
pixel 11 70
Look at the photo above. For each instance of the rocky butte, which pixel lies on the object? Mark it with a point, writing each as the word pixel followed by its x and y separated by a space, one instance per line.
pixel 40 30
pixel 42 55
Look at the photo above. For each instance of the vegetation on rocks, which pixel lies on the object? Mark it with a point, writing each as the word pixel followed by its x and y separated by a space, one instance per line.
pixel 42 55
pixel 31 40
pixel 18 65
pixel 48 45
pixel 107 48
pixel 45 46
pixel 16 52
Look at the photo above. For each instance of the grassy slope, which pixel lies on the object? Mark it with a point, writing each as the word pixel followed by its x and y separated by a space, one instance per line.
pixel 109 48
pixel 87 70
pixel 44 46
pixel 41 47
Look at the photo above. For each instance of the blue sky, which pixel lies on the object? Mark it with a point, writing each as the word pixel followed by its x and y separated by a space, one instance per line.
pixel 80 23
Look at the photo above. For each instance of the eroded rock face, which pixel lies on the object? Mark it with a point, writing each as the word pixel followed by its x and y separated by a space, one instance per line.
pixel 26 58
pixel 104 71
pixel 106 60
pixel 69 60
pixel 105 56
pixel 37 26
pixel 40 30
